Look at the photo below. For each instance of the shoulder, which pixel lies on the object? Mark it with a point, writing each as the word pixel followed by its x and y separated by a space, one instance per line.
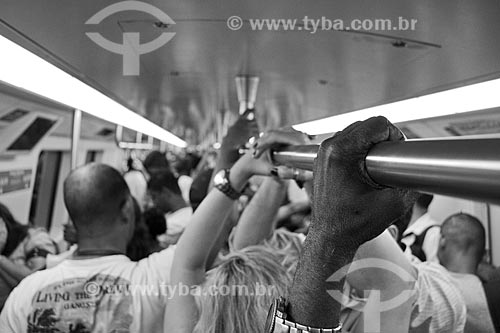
pixel 438 299
pixel 22 295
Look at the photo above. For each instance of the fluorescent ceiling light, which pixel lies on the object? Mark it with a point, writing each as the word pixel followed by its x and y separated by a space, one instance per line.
pixel 469 98
pixel 22 68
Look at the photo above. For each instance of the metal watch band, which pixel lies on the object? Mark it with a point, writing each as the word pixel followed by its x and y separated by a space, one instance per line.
pixel 281 325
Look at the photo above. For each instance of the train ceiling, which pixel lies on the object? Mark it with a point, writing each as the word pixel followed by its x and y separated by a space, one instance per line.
pixel 187 85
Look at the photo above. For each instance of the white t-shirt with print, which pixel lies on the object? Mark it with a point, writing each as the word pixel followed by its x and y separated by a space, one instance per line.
pixel 105 294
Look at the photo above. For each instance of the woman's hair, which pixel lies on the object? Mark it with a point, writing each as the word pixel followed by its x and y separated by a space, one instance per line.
pixel 16 231
pixel 287 246
pixel 237 294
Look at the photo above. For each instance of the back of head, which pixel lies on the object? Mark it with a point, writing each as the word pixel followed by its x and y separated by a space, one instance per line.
pixel 164 179
pixel 140 246
pixel 424 201
pixel 155 222
pixel 94 195
pixel 156 161
pixel 184 166
pixel 464 235
pixel 244 286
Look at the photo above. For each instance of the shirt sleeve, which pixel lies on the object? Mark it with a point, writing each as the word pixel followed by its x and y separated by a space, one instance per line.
pixel 158 265
pixel 440 306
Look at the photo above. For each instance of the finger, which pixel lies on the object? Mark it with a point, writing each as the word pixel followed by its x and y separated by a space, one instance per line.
pixel 277 138
pixel 264 169
pixel 395 134
pixel 351 127
pixel 379 129
pixel 300 175
pixel 341 134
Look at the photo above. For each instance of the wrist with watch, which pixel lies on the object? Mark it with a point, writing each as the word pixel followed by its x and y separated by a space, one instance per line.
pixel 223 184
pixel 277 321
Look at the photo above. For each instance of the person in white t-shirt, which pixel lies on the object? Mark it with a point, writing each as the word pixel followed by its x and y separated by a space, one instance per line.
pixel 136 181
pixel 99 289
pixel 461 249
pixel 167 197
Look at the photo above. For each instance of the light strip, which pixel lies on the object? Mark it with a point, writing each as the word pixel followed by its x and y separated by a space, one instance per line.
pixel 21 68
pixel 474 97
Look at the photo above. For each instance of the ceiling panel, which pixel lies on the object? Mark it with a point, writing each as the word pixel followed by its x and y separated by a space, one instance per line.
pixel 303 76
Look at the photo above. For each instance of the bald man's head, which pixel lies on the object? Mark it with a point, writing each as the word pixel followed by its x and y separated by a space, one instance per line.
pixel 95 196
pixel 464 235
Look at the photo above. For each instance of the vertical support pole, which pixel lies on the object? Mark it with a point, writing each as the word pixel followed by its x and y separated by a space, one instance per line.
pixel 75 137
pixel 490 238
pixel 163 146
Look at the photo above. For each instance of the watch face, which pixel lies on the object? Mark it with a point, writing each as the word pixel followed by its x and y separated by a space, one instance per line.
pixel 220 178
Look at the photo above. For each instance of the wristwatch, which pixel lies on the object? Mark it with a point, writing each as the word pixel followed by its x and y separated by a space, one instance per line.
pixel 222 183
pixel 277 323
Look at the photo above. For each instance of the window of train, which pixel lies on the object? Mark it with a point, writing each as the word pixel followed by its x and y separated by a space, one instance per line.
pixel 93 156
pixel 44 190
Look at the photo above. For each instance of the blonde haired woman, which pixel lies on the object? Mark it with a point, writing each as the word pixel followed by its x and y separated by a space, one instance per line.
pixel 240 274
pixel 239 291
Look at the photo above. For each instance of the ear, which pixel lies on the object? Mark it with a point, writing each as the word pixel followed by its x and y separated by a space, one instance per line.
pixel 394 232
pixel 442 242
pixel 127 213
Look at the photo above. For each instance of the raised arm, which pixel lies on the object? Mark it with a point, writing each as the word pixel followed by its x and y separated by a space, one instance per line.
pixel 236 137
pixel 193 250
pixel 348 209
pixel 256 222
pixel 198 239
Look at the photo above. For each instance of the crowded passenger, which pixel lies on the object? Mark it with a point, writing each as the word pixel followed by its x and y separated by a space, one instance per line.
pixel 461 249
pixel 167 197
pixel 90 290
pixel 318 282
pixel 422 235
pixel 156 226
pixel 23 250
pixel 154 162
pixel 136 180
pixel 184 168
pixel 142 244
